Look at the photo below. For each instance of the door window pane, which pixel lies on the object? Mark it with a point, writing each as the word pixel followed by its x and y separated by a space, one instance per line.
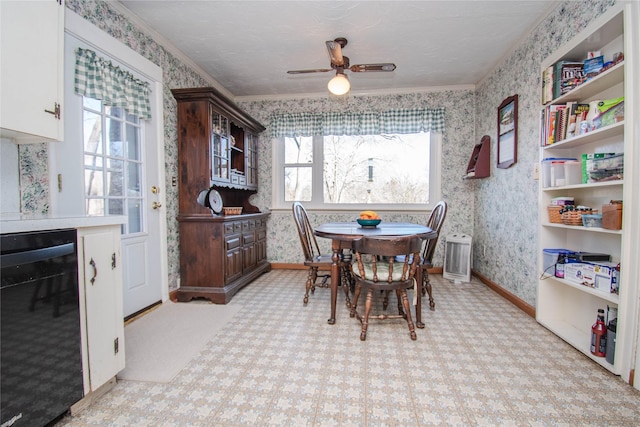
pixel 113 164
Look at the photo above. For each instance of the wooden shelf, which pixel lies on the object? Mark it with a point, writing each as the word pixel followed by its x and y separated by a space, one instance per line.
pixel 478 166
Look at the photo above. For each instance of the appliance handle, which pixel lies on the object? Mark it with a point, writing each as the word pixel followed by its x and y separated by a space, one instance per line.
pixel 35 255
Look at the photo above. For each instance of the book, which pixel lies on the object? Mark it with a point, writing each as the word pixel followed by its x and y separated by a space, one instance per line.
pixel 575 117
pixel 547 84
pixel 592 67
pixel 567 75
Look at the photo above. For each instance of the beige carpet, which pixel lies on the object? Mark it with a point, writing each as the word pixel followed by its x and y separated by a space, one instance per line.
pixel 159 344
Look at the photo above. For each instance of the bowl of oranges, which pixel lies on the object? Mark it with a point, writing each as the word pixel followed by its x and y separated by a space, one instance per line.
pixel 369 219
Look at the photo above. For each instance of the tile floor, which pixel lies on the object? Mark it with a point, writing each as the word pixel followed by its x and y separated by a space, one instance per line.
pixel 479 361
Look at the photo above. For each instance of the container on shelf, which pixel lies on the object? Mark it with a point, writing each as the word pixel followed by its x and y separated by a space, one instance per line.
pixel 592 220
pixel 601 167
pixel 612 215
pixel 553 171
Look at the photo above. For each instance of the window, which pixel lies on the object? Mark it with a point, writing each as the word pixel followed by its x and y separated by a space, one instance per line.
pixel 112 162
pixel 399 171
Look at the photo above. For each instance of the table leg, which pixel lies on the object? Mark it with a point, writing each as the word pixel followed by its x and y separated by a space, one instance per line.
pixel 335 278
pixel 418 292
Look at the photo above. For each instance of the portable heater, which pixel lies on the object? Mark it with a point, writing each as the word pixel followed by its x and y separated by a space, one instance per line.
pixel 457 258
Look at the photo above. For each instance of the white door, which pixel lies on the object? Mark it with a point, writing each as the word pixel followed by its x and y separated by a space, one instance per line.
pixel 108 164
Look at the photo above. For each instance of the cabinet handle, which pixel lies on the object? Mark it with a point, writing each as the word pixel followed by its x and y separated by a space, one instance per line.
pixel 92 263
pixel 56 110
pixel 113 261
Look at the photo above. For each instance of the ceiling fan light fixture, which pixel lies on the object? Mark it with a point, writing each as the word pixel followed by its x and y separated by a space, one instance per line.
pixel 339 85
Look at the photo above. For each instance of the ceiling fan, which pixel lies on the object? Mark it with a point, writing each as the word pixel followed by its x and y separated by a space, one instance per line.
pixel 339 85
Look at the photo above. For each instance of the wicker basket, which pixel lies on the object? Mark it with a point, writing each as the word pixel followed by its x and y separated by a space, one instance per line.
pixel 232 210
pixel 574 217
pixel 554 214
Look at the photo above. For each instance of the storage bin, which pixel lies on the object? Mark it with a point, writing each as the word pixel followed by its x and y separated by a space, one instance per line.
pixel 553 171
pixel 550 257
pixel 573 172
pixel 592 220
pixel 612 215
pixel 599 167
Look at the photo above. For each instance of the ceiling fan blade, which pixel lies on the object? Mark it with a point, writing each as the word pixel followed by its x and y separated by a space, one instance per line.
pixel 358 68
pixel 335 52
pixel 317 70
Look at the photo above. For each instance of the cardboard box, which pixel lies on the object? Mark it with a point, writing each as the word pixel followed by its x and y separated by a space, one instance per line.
pixel 612 216
pixel 607 277
pixel 603 276
pixel 581 273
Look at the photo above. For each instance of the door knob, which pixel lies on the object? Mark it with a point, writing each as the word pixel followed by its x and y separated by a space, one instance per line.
pixel 156 205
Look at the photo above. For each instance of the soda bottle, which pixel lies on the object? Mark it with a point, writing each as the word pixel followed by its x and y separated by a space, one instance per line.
pixel 599 336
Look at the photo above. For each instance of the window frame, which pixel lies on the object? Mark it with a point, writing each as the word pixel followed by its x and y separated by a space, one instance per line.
pixel 278 193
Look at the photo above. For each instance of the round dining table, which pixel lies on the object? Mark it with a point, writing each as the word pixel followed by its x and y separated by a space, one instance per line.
pixel 342 235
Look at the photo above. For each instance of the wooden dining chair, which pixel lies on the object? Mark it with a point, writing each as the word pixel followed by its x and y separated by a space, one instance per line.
pixel 378 268
pixel 435 221
pixel 314 259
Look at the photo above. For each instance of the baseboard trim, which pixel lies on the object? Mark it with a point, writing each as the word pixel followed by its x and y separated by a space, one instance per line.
pixel 521 304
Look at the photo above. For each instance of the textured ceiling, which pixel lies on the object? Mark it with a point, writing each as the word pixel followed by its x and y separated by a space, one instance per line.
pixel 248 46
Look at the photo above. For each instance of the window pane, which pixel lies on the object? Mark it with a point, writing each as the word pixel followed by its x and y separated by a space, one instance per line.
pixel 135 215
pixel 133 179
pixel 93 162
pixel 95 207
pixel 92 128
pixel 116 206
pixel 115 138
pixel 133 144
pixel 115 174
pixel 297 184
pixel 298 150
pixel 90 103
pixel 93 182
pixel 387 169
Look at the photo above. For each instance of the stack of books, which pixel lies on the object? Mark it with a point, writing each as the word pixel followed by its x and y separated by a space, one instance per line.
pixel 562 121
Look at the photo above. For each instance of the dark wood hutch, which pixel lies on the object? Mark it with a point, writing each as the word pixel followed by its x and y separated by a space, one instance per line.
pixel 217 148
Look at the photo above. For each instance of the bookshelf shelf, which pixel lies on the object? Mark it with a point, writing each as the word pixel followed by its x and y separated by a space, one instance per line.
pixel 568 309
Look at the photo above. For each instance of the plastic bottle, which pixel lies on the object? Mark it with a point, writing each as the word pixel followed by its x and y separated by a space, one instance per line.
pixel 599 336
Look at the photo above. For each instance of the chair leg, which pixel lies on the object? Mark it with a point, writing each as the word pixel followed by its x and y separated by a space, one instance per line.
pixel 310 285
pixel 345 278
pixel 356 296
pixel 426 286
pixel 385 301
pixel 402 293
pixel 367 310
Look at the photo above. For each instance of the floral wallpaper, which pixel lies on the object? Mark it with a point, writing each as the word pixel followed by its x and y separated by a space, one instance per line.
pixel 506 204
pixel 500 212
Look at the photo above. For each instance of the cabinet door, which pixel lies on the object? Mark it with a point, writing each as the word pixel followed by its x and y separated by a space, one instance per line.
pixel 233 267
pixel 32 64
pixel 103 295
pixel 251 159
pixel 220 149
pixel 261 242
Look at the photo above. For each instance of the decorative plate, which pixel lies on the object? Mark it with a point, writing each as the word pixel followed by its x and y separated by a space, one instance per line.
pixel 369 223
pixel 214 200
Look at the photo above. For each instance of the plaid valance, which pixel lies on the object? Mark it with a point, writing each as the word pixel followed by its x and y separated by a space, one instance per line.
pixel 99 78
pixel 349 123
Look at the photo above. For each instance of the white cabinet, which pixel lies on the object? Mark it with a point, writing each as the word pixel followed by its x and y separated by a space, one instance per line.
pixel 32 67
pixel 566 308
pixel 100 272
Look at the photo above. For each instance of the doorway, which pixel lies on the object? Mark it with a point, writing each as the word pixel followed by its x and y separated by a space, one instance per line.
pixel 110 164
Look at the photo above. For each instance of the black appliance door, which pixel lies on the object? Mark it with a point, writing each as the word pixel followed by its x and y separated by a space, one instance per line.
pixel 41 358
